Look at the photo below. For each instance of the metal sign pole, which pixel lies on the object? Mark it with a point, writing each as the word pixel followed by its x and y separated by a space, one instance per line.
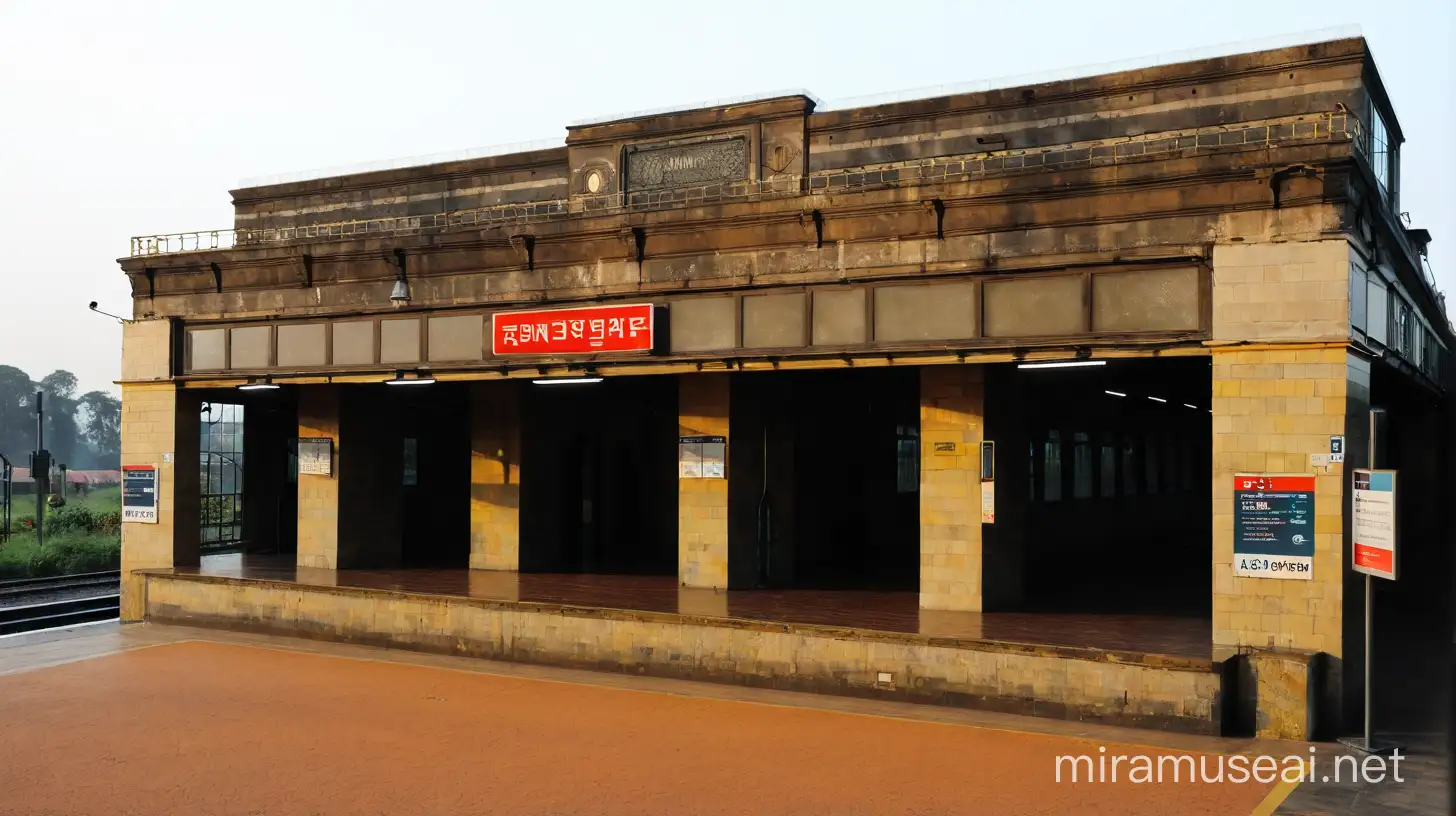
pixel 1366 743
pixel 36 476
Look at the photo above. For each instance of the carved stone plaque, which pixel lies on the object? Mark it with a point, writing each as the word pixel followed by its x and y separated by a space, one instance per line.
pixel 656 167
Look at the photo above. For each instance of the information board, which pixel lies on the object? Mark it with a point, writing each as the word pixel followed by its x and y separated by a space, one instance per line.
pixel 316 456
pixel 702 457
pixel 1274 526
pixel 1373 526
pixel 139 493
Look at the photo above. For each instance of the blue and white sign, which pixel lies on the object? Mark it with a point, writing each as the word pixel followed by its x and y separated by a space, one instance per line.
pixel 139 493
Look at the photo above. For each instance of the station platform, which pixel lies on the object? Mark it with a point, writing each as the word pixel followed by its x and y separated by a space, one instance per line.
pixel 1144 671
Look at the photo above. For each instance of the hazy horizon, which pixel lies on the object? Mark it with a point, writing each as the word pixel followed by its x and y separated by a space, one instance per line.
pixel 130 123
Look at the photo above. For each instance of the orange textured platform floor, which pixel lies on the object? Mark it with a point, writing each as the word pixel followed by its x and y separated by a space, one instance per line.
pixel 201 728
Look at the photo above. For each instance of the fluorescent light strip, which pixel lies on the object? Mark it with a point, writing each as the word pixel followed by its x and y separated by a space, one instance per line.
pixel 1064 364
pixel 262 386
pixel 1115 393
pixel 566 381
pixel 1187 405
pixel 415 381
pixel 1157 399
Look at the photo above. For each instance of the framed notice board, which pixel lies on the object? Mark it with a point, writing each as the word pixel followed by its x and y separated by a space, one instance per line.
pixel 1274 526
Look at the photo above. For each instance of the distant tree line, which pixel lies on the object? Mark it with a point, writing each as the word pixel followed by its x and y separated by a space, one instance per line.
pixel 82 433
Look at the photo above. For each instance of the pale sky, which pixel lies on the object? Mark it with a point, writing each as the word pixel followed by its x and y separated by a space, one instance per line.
pixel 122 119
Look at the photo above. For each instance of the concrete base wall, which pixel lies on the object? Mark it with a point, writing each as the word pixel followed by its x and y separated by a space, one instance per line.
pixel 1073 684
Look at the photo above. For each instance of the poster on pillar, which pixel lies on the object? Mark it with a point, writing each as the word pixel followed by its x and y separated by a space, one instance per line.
pixel 1274 526
pixel 1373 524
pixel 702 457
pixel 139 493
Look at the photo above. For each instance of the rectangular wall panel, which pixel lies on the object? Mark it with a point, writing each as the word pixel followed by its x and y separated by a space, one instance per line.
pixel 399 341
pixel 459 337
pixel 302 346
pixel 1035 307
pixel 774 321
pixel 1146 300
pixel 840 317
pixel 207 349
pixel 354 343
pixel 704 324
pixel 251 347
pixel 936 311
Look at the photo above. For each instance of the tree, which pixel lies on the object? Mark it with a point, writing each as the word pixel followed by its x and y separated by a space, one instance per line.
pixel 62 438
pixel 17 415
pixel 103 427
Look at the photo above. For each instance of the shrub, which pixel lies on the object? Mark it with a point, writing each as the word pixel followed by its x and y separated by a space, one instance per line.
pixel 63 554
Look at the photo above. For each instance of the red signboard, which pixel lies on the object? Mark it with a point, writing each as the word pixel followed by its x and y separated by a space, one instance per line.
pixel 1274 484
pixel 586 330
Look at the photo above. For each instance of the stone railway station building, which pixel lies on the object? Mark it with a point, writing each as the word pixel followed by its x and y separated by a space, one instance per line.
pixel 704 394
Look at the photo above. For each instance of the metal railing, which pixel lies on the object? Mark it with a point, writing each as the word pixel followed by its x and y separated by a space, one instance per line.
pixel 1338 126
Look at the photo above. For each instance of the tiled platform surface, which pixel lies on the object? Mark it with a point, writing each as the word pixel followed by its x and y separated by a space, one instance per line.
pixel 875 645
pixel 889 612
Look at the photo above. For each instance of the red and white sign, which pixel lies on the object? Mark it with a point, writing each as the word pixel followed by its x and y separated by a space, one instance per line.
pixel 1373 526
pixel 586 330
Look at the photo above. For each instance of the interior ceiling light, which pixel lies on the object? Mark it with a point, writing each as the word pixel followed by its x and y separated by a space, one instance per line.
pixel 1157 399
pixel 566 380
pixel 265 384
pixel 418 379
pixel 1064 364
pixel 1189 405
pixel 400 293
pixel 1115 393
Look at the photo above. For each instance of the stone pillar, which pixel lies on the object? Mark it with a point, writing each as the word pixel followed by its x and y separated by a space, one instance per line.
pixel 702 504
pixel 495 475
pixel 318 496
pixel 951 410
pixel 160 423
pixel 1272 408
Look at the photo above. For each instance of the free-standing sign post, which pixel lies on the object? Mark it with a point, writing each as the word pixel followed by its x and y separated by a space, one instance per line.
pixel 139 493
pixel 1274 526
pixel 1373 552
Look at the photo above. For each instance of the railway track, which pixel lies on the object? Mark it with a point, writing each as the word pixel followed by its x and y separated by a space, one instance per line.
pixel 30 604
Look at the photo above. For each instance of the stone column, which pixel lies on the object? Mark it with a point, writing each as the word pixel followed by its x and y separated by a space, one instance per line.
pixel 495 475
pixel 951 410
pixel 160 423
pixel 318 496
pixel 702 504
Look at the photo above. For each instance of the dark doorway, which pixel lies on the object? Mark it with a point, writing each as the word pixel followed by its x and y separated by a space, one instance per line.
pixel 599 478
pixel 1103 488
pixel 432 437
pixel 825 479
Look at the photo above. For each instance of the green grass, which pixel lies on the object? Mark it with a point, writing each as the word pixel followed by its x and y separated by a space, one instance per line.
pixel 83 536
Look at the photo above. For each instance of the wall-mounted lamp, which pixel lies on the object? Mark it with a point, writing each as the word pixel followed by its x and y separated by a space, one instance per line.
pixel 417 379
pixel 265 384
pixel 400 294
pixel 117 318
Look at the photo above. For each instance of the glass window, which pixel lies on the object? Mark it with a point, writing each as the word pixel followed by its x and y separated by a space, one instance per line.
pixel 1081 466
pixel 1377 310
pixel 1052 467
pixel 1108 480
pixel 907 459
pixel 1357 297
pixel 1382 154
pixel 1032 456
pixel 411 462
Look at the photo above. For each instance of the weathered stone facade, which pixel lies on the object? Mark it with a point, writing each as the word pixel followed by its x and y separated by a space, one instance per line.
pixel 1224 208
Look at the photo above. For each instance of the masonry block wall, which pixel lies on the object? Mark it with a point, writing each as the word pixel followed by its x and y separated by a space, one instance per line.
pixel 495 475
pixel 952 401
pixel 702 504
pixel 1272 408
pixel 318 496
pixel 1292 290
pixel 158 423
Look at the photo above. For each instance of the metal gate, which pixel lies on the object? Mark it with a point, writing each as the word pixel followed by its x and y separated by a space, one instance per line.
pixel 221 477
